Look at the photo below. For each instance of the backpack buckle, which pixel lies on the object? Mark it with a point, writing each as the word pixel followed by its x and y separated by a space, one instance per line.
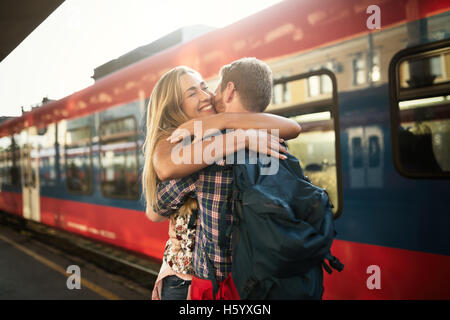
pixel 334 263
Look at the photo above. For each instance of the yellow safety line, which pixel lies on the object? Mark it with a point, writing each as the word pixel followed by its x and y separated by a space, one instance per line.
pixel 102 292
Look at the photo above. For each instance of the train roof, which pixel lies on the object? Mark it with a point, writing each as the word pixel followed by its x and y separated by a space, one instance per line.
pixel 287 28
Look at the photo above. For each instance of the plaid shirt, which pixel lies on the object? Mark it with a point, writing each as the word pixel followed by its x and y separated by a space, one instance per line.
pixel 213 188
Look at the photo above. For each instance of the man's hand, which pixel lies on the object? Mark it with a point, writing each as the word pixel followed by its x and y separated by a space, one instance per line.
pixel 263 142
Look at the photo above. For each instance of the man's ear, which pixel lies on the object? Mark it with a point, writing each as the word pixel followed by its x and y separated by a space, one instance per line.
pixel 229 92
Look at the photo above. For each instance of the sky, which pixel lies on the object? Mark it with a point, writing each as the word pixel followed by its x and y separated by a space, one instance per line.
pixel 59 56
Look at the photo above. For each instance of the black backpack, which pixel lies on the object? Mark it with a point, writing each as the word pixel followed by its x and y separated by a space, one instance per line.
pixel 282 233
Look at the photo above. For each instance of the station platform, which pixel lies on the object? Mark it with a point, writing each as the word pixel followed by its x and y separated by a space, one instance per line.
pixel 32 270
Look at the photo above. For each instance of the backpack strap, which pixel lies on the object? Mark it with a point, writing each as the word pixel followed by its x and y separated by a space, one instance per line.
pixel 334 263
pixel 212 275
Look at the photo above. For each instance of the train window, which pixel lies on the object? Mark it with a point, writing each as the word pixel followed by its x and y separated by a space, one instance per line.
pixel 78 154
pixel 317 147
pixel 47 168
pixel 2 163
pixel 119 169
pixel 420 93
pixel 11 162
pixel 4 143
pixel 47 157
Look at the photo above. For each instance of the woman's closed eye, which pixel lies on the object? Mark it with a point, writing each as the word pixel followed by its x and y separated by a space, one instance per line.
pixel 195 91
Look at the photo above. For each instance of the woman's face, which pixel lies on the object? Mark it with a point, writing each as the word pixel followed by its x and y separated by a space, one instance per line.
pixel 197 99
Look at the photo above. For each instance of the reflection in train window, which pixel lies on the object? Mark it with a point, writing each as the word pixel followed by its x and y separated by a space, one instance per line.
pixel 318 85
pixel 10 161
pixel 375 74
pixel 28 170
pixel 78 153
pixel 315 147
pixel 15 163
pixel 424 135
pixel 47 168
pixel 357 152
pixel 422 115
pixel 119 170
pixel 281 93
pixel 3 168
pixel 374 152
pixel 359 70
pixel 47 158
pixel 424 71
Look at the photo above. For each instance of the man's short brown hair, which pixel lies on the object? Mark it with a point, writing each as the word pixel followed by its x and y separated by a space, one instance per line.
pixel 253 81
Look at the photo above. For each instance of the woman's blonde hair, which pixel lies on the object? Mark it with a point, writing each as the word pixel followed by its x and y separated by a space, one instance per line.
pixel 164 115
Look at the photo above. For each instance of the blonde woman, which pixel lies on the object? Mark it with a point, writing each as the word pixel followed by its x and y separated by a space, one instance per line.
pixel 180 95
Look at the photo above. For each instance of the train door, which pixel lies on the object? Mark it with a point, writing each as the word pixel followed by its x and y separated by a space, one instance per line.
pixel 30 176
pixel 366 148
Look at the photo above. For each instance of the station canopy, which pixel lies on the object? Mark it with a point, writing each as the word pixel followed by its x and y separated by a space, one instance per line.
pixel 18 18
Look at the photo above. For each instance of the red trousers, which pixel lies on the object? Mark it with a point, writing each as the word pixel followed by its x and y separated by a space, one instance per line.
pixel 202 289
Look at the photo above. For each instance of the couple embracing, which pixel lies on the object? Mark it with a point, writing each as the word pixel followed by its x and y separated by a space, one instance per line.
pixel 196 194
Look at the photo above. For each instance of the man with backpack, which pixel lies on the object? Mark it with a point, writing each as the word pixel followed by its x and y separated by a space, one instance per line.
pixel 228 197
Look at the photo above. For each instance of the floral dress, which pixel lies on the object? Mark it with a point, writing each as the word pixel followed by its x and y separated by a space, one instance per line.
pixel 178 254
